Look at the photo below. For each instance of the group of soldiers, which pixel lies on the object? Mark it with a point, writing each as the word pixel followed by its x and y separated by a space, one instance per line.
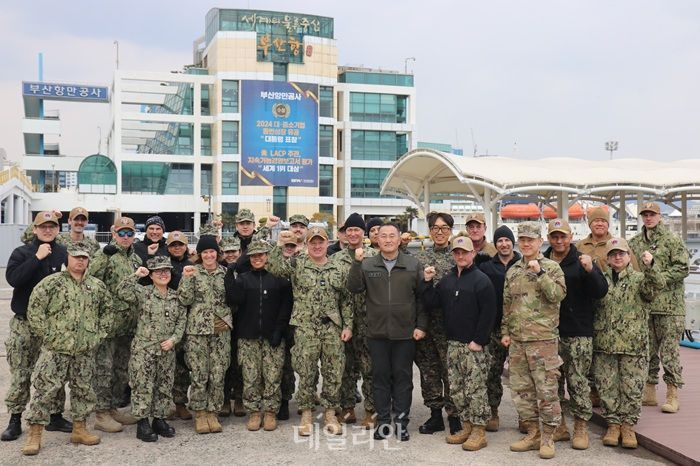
pixel 171 331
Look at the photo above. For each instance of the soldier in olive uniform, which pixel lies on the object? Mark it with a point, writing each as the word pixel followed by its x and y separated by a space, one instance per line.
pixel 77 219
pixel 620 341
pixel 160 327
pixel 64 311
pixel 112 265
pixel 667 319
pixel 534 288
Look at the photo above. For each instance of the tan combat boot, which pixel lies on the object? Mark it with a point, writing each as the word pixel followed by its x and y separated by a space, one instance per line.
pixel 612 436
pixel 580 439
pixel 123 417
pixel 270 421
pixel 671 405
pixel 522 426
pixel 347 416
pixel 80 434
pixel 547 442
pixel 201 426
pixel 238 409
pixel 476 440
pixel 105 422
pixel 493 424
pixel 332 426
pixel 254 421
pixel 33 444
pixel 213 422
pixel 182 412
pixel 306 425
pixel 649 395
pixel 460 436
pixel 561 432
pixel 629 438
pixel 368 420
pixel 531 441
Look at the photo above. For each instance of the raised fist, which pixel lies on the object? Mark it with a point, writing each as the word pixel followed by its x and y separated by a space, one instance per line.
pixel 359 254
pixel 429 273
pixel 647 258
pixel 43 251
pixel 188 271
pixel 142 272
pixel 152 249
pixel 586 262
pixel 534 266
pixel 272 221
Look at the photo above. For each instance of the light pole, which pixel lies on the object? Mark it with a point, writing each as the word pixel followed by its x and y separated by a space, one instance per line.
pixel 611 146
pixel 207 199
pixel 116 43
pixel 405 64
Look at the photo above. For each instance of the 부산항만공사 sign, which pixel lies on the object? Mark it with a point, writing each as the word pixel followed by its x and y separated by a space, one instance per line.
pixel 279 128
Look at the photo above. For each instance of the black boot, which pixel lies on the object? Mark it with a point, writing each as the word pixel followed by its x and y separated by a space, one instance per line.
pixel 144 431
pixel 58 423
pixel 358 396
pixel 161 427
pixel 283 413
pixel 434 423
pixel 454 423
pixel 402 434
pixel 14 428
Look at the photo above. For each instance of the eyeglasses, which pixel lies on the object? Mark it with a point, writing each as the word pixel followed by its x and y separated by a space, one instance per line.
pixel 161 272
pixel 444 229
pixel 47 226
pixel 617 254
pixel 125 232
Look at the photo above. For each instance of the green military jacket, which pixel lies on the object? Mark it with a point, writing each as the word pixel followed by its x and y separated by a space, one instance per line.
pixel 671 260
pixel 440 258
pixel 65 313
pixel 531 302
pixel 204 292
pixel 620 325
pixel 318 289
pixel 160 318
pixel 355 301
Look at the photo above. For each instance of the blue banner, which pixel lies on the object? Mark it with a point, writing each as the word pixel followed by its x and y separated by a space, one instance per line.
pixel 60 91
pixel 279 134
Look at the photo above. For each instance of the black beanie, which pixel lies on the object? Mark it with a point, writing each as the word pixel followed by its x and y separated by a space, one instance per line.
pixel 503 232
pixel 373 222
pixel 155 220
pixel 207 242
pixel 355 220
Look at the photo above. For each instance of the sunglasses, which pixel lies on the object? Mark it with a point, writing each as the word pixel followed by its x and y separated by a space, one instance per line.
pixel 127 233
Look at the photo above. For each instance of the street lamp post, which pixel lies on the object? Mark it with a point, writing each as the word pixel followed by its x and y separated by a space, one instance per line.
pixel 611 146
pixel 405 64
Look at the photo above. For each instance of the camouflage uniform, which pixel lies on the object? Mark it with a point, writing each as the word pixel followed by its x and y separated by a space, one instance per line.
pixel 318 318
pixel 92 245
pixel 620 342
pixel 65 314
pixel 357 358
pixel 431 351
pixel 597 251
pixel 207 353
pixel 261 364
pixel 152 370
pixel 530 318
pixel 468 371
pixel 667 319
pixel 112 355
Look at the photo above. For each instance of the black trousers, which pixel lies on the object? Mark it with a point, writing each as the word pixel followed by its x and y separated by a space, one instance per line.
pixel 392 378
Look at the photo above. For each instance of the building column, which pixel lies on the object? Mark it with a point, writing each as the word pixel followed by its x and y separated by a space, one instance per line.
pixel 563 205
pixel 10 209
pixel 684 217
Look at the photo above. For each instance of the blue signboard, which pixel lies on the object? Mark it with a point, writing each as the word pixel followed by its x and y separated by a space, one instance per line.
pixel 61 91
pixel 279 129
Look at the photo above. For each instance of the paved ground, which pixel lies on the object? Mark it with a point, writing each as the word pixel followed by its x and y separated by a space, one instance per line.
pixel 238 446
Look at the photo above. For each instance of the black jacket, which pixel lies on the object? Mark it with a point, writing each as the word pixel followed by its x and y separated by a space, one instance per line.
pixel 264 303
pixel 333 248
pixel 468 303
pixel 496 271
pixel 176 272
pixel 582 290
pixel 141 248
pixel 24 271
pixel 243 261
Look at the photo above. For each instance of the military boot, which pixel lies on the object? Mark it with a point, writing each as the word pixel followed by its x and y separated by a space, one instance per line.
pixel 331 424
pixel 105 422
pixel 561 433
pixel 201 426
pixel 58 423
pixel 649 395
pixel 214 424
pixel 671 405
pixel 612 436
pixel 460 436
pixel 181 412
pixel 547 442
pixel 347 416
pixel 522 426
pixel 531 441
pixel 270 421
pixel 368 420
pixel 14 428
pixel 144 431
pixel 225 409
pixel 494 422
pixel 123 417
pixel 33 444
pixel 283 413
pixel 434 424
pixel 454 424
pixel 629 438
pixel 580 439
pixel 254 421
pixel 80 435
pixel 476 440
pixel 306 425
pixel 161 427
pixel 239 410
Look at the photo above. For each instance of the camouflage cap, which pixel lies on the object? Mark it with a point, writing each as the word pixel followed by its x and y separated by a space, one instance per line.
pixel 462 242
pixel 45 217
pixel 159 262
pixel 475 217
pixel 529 230
pixel 287 237
pixel 598 213
pixel 649 207
pixel 78 211
pixel 616 243
pixel 208 229
pixel 78 249
pixel 230 244
pixel 299 218
pixel 316 232
pixel 560 225
pixel 176 237
pixel 124 222
pixel 258 247
pixel 245 215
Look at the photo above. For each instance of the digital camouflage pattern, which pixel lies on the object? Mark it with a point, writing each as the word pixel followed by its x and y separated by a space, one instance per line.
pixel 92 245
pixel 534 380
pixel 312 344
pixel 664 334
pixel 208 357
pixel 531 302
pixel 205 294
pixel 577 356
pixel 620 381
pixel 230 244
pixel 208 229
pixel 111 371
pixel 468 371
pixel 151 377
pixel 498 354
pixel 261 365
pixel 598 250
pixel 288 378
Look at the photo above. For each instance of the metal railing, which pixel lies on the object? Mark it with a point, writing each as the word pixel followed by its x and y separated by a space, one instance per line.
pixel 14 172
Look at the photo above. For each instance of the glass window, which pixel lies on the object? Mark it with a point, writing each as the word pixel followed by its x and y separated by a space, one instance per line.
pixel 205 134
pixel 325 141
pixel 229 137
pixel 377 145
pixel 229 96
pixel 205 179
pixel 279 201
pixel 205 99
pixel 325 106
pixel 157 178
pixel 366 182
pixel 229 178
pixel 325 180
pixel 97 174
pixel 381 108
pixel 279 72
pixel 325 208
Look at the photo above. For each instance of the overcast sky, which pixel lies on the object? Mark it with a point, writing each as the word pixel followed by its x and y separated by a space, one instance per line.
pixel 530 79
